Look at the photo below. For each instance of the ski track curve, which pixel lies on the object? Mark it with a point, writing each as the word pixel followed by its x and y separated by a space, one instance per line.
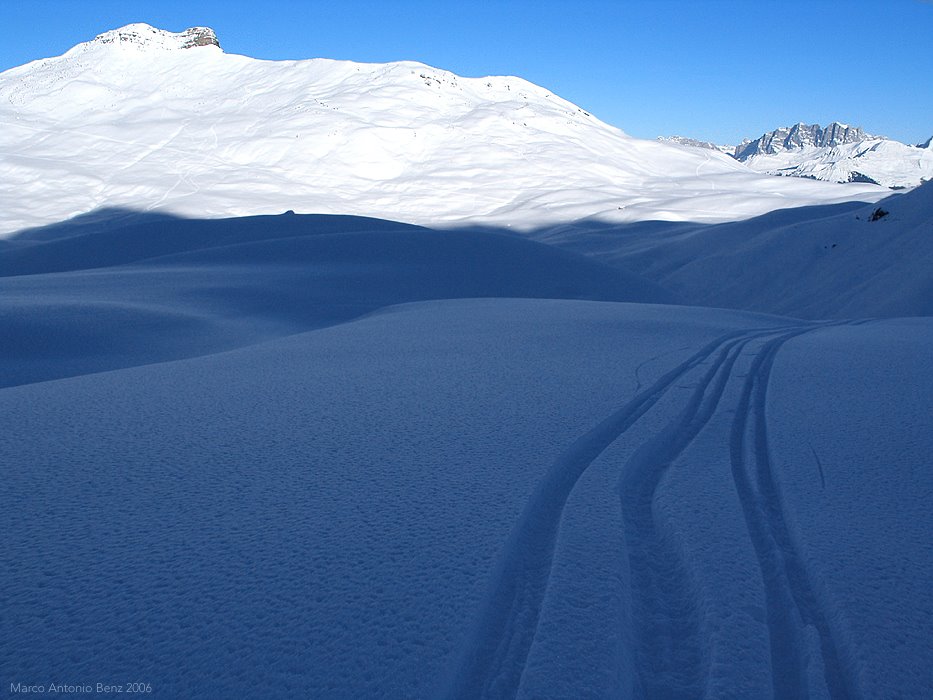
pixel 669 652
pixel 791 598
pixel 493 656
pixel 671 655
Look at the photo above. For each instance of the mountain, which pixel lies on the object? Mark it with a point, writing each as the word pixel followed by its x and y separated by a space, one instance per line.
pixel 800 136
pixel 696 143
pixel 144 119
pixel 335 456
pixel 838 153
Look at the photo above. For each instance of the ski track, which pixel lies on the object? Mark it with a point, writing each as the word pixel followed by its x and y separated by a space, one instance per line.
pixel 671 654
pixel 819 466
pixel 493 656
pixel 790 595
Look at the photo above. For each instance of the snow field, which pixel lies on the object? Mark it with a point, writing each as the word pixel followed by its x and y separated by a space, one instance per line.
pixel 315 514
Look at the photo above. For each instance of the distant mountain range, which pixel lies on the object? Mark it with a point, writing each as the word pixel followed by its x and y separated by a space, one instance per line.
pixel 800 136
pixel 836 153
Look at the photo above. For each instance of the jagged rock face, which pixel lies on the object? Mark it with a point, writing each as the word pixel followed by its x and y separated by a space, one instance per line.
pixel 800 136
pixel 200 36
pixel 144 35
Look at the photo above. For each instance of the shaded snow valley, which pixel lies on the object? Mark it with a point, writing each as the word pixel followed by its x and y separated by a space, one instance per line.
pixel 318 456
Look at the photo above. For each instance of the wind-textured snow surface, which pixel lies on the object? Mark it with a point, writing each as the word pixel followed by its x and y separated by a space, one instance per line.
pixel 133 119
pixel 301 456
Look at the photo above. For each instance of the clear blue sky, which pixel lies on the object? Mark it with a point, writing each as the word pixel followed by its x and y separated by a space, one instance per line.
pixel 712 69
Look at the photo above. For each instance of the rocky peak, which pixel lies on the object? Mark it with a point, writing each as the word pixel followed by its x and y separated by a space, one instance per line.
pixel 144 35
pixel 200 36
pixel 800 136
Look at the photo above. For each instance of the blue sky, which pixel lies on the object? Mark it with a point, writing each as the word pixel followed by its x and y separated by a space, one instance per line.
pixel 712 69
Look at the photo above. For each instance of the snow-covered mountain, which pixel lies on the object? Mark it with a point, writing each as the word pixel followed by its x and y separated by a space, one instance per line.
pixel 836 153
pixel 801 136
pixel 155 121
pixel 874 160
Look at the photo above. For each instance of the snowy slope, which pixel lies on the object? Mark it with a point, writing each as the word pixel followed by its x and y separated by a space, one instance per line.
pixel 132 119
pixel 483 498
pixel 812 262
pixel 74 303
pixel 234 466
pixel 696 143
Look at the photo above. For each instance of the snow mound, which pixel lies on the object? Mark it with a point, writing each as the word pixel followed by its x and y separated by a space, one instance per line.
pixel 77 301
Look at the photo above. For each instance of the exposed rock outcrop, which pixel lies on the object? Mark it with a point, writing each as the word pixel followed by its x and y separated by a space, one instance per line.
pixel 144 35
pixel 800 136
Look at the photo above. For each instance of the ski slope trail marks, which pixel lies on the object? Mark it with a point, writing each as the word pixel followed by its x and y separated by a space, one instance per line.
pixel 494 653
pixel 790 594
pixel 669 651
pixel 727 378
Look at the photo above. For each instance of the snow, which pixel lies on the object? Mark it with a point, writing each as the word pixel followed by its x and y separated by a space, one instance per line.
pixel 250 471
pixel 861 522
pixel 885 162
pixel 149 126
pixel 838 153
pixel 166 289
pixel 338 456
pixel 809 262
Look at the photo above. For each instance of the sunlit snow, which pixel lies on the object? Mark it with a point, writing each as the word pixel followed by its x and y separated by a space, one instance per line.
pixel 147 125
